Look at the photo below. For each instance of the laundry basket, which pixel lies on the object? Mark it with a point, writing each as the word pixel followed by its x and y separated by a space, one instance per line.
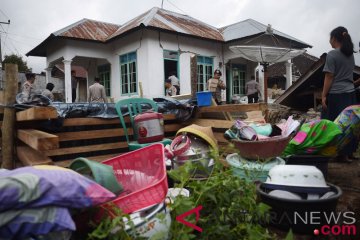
pixel 142 174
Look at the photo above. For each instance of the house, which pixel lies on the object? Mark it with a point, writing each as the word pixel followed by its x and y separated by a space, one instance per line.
pixel 299 66
pixel 138 55
pixel 306 92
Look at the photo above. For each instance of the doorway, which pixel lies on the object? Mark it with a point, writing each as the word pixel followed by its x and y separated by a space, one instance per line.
pixel 171 60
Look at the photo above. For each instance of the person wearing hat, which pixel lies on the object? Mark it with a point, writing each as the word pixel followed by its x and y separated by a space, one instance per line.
pixel 170 89
pixel 215 85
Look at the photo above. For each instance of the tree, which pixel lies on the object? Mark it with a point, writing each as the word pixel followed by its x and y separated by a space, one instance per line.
pixel 15 59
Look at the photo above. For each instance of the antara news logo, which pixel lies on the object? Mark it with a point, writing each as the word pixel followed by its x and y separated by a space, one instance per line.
pixel 327 223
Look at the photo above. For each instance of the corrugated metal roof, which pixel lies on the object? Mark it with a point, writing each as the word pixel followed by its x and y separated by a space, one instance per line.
pixel 171 21
pixel 88 29
pixel 250 27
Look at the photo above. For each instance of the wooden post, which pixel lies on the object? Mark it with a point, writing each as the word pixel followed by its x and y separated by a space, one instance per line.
pixel 193 75
pixel 11 87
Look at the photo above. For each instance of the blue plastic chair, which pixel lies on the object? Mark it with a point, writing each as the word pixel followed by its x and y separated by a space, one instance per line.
pixel 134 106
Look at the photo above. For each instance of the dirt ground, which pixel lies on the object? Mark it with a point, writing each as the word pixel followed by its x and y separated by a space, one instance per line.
pixel 347 177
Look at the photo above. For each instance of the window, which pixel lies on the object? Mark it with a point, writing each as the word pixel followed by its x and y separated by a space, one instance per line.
pixel 171 63
pixel 128 73
pixel 104 75
pixel 238 79
pixel 204 72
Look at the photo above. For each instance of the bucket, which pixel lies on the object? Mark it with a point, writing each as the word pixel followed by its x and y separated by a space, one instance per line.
pixel 251 170
pixel 100 173
pixel 204 98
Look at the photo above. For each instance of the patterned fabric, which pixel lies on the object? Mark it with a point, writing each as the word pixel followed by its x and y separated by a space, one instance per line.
pixel 312 138
pixel 349 122
pixel 19 224
pixel 40 186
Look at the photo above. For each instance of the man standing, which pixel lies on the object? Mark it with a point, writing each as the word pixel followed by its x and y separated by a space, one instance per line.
pixel 252 90
pixel 175 82
pixel 73 85
pixel 28 87
pixel 170 89
pixel 215 85
pixel 96 92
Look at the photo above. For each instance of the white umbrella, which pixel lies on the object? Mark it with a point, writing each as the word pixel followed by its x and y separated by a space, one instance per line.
pixel 265 55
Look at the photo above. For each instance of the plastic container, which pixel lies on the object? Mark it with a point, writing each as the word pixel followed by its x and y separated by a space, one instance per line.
pixel 251 170
pixel 142 174
pixel 101 173
pixel 203 98
pixel 321 162
pixel 295 214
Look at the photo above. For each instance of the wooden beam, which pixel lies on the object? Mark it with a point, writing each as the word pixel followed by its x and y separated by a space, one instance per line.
pixel 38 140
pixel 214 123
pixel 234 108
pixel 37 113
pixel 102 121
pixel 93 134
pixel 8 126
pixel 30 157
pixel 100 158
pixel 87 148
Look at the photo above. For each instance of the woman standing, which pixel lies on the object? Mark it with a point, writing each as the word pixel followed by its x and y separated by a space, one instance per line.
pixel 338 90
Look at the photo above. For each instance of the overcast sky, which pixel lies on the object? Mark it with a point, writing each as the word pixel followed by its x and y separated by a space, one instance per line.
pixel 308 20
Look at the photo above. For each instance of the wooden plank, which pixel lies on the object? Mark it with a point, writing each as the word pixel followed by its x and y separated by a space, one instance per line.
pixel 93 134
pixel 83 149
pixel 100 158
pixel 102 121
pixel 30 157
pixel 37 113
pixel 173 127
pixel 234 108
pixel 38 140
pixel 220 137
pixel 214 123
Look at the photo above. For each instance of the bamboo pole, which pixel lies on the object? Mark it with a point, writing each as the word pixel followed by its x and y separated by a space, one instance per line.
pixel 8 131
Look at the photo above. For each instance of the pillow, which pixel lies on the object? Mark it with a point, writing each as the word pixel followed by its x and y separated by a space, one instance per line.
pixel 45 185
pixel 19 224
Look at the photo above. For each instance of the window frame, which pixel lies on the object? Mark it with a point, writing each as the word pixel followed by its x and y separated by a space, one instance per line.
pixel 203 61
pixel 129 60
pixel 241 68
pixel 102 70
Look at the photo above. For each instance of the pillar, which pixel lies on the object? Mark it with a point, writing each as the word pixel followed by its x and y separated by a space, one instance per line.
pixel 48 74
pixel 67 72
pixel 288 66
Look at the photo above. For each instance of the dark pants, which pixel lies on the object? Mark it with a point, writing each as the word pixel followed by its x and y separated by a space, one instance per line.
pixel 335 104
pixel 73 94
pixel 253 98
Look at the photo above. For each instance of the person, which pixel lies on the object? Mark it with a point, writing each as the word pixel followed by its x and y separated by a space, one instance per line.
pixel 252 90
pixel 175 82
pixel 28 89
pixel 48 91
pixel 170 90
pixel 96 92
pixel 215 85
pixel 73 85
pixel 338 89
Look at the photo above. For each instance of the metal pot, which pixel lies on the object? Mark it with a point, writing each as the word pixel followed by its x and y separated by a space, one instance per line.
pixel 198 154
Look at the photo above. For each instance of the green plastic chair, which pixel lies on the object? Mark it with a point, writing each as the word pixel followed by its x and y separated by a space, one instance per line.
pixel 134 107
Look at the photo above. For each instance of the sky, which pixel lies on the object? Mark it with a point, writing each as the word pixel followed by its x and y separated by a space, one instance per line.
pixel 311 21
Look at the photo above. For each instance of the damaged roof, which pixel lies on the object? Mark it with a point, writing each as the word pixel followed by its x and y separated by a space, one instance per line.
pixel 161 19
pixel 300 94
pixel 301 64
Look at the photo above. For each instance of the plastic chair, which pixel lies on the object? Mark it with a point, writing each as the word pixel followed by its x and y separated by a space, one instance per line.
pixel 134 107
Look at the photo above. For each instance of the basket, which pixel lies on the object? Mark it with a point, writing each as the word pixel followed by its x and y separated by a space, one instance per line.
pixel 262 149
pixel 203 98
pixel 142 174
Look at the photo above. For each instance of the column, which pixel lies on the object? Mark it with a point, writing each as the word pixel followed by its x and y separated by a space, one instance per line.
pixel 67 72
pixel 48 74
pixel 288 66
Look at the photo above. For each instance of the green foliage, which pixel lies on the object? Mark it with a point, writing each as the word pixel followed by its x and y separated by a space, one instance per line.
pixel 230 209
pixel 15 59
